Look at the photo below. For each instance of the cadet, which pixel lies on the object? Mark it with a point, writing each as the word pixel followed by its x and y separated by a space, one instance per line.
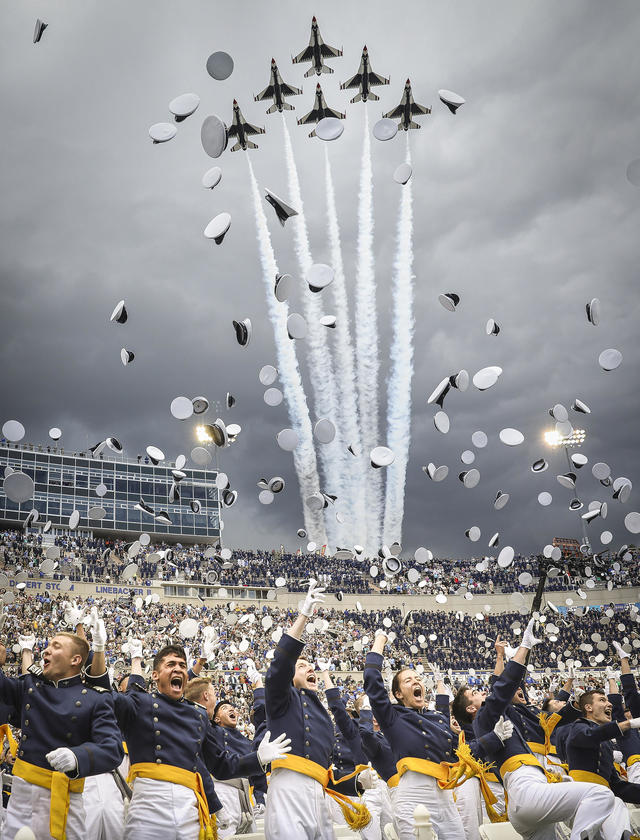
pixel 420 741
pixel 535 805
pixel 55 709
pixel 171 748
pixel 377 751
pixel 589 750
pixel 296 803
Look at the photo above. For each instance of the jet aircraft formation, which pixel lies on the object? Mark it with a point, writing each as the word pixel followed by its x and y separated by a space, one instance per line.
pixel 316 53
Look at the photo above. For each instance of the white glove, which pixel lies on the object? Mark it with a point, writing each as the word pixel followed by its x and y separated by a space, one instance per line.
pixel 323 664
pixel 368 778
pixel 134 647
pixel 618 757
pixel 437 675
pixel 73 614
pixel 503 729
pixel 209 648
pixel 572 670
pixel 269 751
pixel 528 639
pixel 315 596
pixel 620 650
pixel 63 760
pixel 381 632
pixel 634 723
pixel 26 642
pixel 258 809
pixel 366 703
pixel 610 673
pixel 98 632
pixel 253 674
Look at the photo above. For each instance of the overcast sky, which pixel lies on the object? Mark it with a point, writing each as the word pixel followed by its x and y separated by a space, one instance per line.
pixel 521 206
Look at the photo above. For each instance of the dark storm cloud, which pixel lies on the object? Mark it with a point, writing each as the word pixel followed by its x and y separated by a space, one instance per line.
pixel 521 206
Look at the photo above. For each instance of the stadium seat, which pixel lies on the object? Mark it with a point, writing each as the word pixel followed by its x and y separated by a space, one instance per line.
pixel 499 831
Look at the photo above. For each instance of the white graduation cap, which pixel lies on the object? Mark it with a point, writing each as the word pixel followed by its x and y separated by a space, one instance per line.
pixel 283 288
pixel 212 177
pixel 381 456
pixel 243 331
pixel 200 405
pixel 119 314
pixel 329 128
pixel 385 129
pixel 162 132
pixel 13 430
pixel 181 408
pixel 449 300
pixel 283 210
pixel 155 454
pixel 402 173
pixel 218 227
pixel 452 100
pixel 319 277
pixel 126 356
pixel 184 105
pixel 220 65
pixel 37 35
pixel 329 321
pixel 214 136
pixel 296 326
pixel 593 311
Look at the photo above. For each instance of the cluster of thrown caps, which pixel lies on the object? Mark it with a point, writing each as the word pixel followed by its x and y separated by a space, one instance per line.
pixel 120 316
pixel 318 278
pixel 609 359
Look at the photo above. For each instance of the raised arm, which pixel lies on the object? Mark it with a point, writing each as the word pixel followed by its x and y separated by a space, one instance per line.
pixel 505 685
pixel 374 683
pixel 500 646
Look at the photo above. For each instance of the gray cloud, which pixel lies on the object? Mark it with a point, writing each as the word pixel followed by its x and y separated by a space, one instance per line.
pixel 521 206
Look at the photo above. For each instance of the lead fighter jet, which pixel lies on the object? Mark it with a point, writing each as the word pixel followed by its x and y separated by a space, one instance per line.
pixel 319 111
pixel 277 90
pixel 316 52
pixel 364 79
pixel 241 129
pixel 407 109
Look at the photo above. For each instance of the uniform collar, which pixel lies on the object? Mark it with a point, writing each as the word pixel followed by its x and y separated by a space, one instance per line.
pixel 75 680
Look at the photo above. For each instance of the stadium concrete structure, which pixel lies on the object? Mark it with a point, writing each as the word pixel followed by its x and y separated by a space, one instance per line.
pixel 66 481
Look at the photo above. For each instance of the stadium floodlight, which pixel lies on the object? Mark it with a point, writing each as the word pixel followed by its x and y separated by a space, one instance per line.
pixel 203 435
pixel 576 438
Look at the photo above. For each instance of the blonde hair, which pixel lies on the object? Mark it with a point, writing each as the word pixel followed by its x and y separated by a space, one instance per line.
pixel 80 645
pixel 196 688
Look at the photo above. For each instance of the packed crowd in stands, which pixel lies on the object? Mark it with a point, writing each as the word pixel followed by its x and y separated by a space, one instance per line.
pixel 456 642
pixel 99 560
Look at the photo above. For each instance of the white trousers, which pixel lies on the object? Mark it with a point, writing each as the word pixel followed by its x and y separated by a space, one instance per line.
pixel 296 808
pixel 417 789
pixel 469 802
pixel 29 805
pixel 535 806
pixel 633 773
pixel 379 804
pixel 161 811
pixel 230 817
pixel 104 808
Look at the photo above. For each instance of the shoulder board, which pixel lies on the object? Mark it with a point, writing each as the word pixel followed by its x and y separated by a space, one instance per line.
pixel 99 688
pixel 34 670
pixel 138 687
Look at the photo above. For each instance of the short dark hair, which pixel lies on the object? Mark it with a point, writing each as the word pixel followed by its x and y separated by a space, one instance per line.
pixel 122 678
pixel 587 698
pixel 395 682
pixel 459 706
pixel 168 650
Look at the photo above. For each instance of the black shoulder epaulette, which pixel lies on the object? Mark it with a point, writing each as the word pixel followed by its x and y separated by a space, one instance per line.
pixel 34 670
pixel 138 687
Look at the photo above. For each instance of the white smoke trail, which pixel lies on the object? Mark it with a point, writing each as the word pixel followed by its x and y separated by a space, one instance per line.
pixel 401 374
pixel 367 353
pixel 304 456
pixel 353 473
pixel 319 358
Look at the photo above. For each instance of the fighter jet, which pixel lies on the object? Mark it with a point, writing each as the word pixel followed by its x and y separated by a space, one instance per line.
pixel 364 79
pixel 316 52
pixel 241 129
pixel 277 90
pixel 407 109
pixel 319 111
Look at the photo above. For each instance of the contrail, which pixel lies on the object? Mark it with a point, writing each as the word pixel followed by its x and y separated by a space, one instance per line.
pixel 367 354
pixel 319 358
pixel 304 456
pixel 401 373
pixel 353 469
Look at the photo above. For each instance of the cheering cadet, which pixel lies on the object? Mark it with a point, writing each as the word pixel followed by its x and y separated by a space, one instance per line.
pixel 535 805
pixel 420 741
pixel 377 751
pixel 172 749
pixel 65 726
pixel 296 802
pixel 350 763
